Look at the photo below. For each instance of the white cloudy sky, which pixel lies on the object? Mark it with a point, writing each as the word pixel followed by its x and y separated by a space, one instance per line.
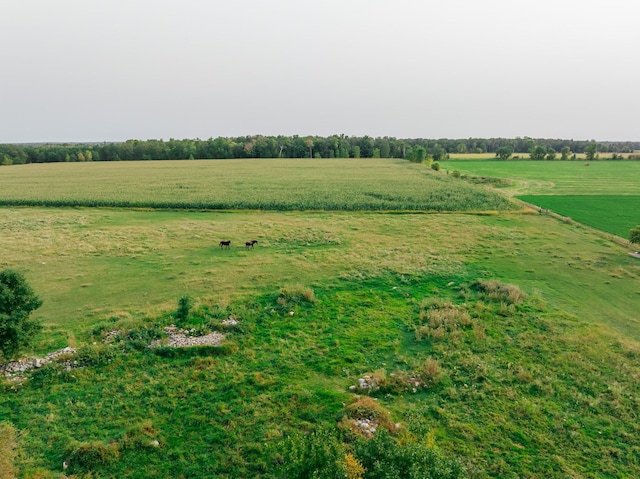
pixel 110 70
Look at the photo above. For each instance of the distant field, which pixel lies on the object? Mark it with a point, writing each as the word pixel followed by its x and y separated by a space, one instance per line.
pixel 613 214
pixel 357 184
pixel 489 156
pixel 558 177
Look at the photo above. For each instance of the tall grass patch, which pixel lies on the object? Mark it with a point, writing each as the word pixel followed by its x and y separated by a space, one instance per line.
pixel 8 450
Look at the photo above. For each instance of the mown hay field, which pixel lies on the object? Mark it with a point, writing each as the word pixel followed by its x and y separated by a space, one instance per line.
pixel 291 184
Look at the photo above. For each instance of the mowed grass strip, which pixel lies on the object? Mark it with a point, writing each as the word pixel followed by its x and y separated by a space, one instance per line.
pixel 558 177
pixel 615 214
pixel 278 184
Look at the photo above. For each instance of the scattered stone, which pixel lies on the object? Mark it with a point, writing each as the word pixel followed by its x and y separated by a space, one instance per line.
pixel 15 368
pixel 230 322
pixel 180 338
pixel 368 382
pixel 366 426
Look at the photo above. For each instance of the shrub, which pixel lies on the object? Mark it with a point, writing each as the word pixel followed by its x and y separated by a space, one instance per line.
pixel 185 303
pixel 17 301
pixel 365 407
pixel 139 339
pixel 435 166
pixel 634 235
pixel 293 295
pixel 439 319
pixel 86 456
pixel 429 371
pixel 93 355
pixel 384 457
pixel 500 292
pixel 141 436
pixel 318 455
pixel 353 467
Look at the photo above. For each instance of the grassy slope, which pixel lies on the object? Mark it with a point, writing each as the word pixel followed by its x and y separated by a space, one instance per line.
pixel 93 264
pixel 523 392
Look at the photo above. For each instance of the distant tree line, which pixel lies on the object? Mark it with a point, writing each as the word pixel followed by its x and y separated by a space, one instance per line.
pixel 335 146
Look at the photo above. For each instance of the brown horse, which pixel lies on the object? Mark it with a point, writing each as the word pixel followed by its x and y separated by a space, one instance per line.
pixel 225 244
pixel 249 244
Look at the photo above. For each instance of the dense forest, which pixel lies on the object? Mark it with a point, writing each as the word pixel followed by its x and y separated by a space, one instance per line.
pixel 335 146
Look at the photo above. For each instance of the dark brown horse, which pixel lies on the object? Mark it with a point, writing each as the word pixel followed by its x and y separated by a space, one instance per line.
pixel 225 244
pixel 249 244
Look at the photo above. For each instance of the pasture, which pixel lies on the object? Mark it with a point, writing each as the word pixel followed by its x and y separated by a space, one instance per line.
pixel 615 214
pixel 557 177
pixel 604 195
pixel 356 184
pixel 539 382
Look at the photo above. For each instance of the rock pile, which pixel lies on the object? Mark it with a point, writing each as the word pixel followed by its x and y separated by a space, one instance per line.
pixel 366 383
pixel 366 426
pixel 23 365
pixel 180 338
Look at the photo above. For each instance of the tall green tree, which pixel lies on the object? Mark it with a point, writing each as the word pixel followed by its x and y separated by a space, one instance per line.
pixel 504 152
pixel 538 152
pixel 551 154
pixel 591 150
pixel 564 153
pixel 17 302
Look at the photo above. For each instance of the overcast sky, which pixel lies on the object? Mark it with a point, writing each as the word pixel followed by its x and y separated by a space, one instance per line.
pixel 111 70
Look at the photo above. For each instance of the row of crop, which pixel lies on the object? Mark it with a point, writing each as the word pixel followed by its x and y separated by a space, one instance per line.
pixel 440 203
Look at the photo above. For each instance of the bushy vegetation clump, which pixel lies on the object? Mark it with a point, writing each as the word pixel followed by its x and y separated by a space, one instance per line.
pixel 322 454
pixel 17 302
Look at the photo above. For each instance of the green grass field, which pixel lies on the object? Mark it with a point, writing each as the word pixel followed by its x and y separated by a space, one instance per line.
pixel 558 177
pixel 611 213
pixel 357 184
pixel 604 195
pixel 533 380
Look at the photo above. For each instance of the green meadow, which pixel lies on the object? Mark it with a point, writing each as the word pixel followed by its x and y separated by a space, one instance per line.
pixel 604 195
pixel 615 214
pixel 502 343
pixel 557 177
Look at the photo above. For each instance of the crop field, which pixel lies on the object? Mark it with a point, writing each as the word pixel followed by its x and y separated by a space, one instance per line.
pixel 500 343
pixel 521 156
pixel 357 184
